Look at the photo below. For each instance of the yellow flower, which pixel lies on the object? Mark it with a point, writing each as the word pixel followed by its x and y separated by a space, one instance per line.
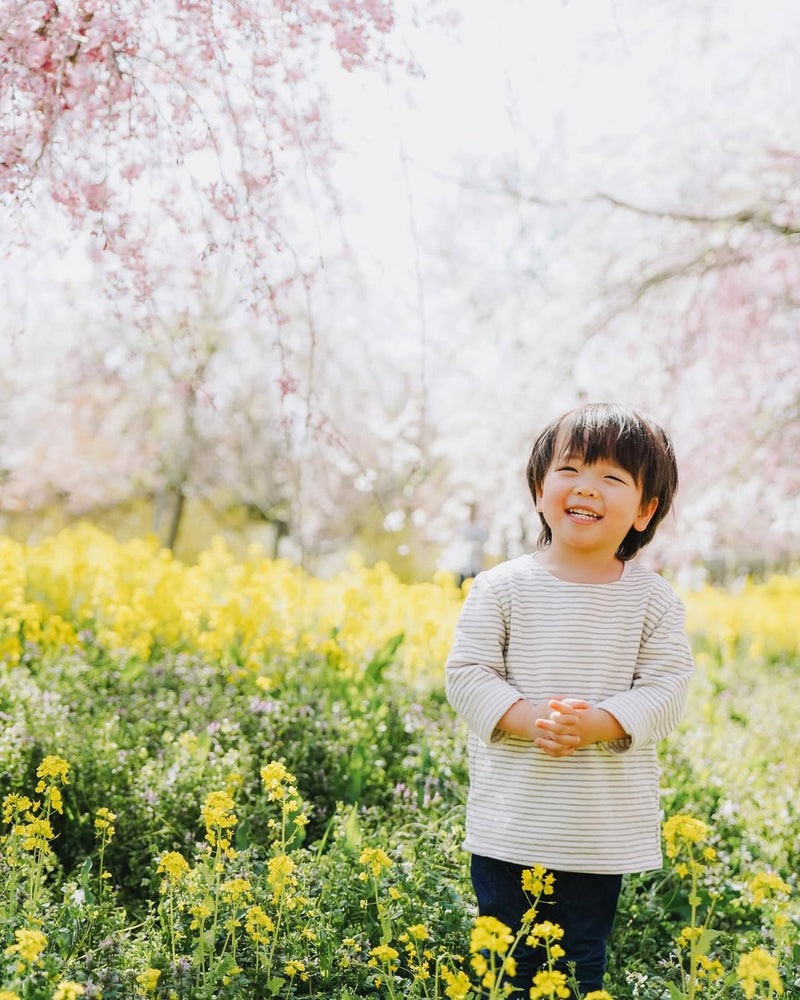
pixel 758 966
pixel 68 991
pixel 598 995
pixel 490 934
pixel 8 995
pixel 29 946
pixel 276 779
pixel 235 889
pixel 295 968
pixel 538 881
pixel 14 805
pixel 549 984
pixel 52 767
pixel 688 935
pixel 375 860
pixel 458 984
pixel 547 931
pixel 173 865
pixel 148 980
pixel 765 885
pixel 384 953
pixel 418 931
pixel 684 828
pixel 104 822
pixel 711 967
pixel 258 924
pixel 280 874
pixel 218 811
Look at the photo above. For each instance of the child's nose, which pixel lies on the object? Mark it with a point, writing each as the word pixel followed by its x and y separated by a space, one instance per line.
pixel 584 490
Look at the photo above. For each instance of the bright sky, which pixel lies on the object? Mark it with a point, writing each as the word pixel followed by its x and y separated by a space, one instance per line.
pixel 562 81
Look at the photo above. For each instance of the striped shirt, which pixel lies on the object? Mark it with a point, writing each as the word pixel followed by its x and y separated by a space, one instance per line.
pixel 524 633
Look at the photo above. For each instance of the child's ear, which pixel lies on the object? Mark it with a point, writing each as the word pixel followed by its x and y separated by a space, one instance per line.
pixel 645 514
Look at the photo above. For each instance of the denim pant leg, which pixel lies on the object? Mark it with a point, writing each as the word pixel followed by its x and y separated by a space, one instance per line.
pixel 583 904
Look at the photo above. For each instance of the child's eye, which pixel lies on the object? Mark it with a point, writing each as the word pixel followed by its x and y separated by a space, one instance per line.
pixel 566 468
pixel 616 479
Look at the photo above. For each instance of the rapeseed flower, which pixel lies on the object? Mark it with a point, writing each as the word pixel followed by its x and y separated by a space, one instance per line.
pixel 174 866
pixel 52 767
pixel 458 984
pixel 69 991
pixel 538 881
pixel 235 889
pixel 758 966
pixel 30 943
pixel 278 782
pixel 375 860
pixel 687 829
pixel 148 980
pixel 104 823
pixel 296 968
pixel 490 934
pixel 258 924
pixel 549 983
pixel 767 886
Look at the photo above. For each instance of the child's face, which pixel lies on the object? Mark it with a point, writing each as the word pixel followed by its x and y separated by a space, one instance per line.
pixel 591 508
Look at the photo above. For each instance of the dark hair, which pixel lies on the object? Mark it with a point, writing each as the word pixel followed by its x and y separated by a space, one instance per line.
pixel 617 433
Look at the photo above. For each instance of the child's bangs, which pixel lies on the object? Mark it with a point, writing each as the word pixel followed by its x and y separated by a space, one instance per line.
pixel 610 438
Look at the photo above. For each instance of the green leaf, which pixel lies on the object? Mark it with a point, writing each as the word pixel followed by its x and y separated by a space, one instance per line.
pixel 383 657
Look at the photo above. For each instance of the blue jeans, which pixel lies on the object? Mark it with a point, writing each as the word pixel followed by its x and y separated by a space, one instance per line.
pixel 583 904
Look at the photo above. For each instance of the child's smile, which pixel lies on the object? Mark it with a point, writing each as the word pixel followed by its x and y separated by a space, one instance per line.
pixel 591 507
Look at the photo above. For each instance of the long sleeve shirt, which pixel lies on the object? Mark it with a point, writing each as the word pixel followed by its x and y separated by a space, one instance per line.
pixel 524 633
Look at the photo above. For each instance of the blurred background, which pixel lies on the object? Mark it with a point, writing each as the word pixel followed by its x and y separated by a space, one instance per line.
pixel 313 275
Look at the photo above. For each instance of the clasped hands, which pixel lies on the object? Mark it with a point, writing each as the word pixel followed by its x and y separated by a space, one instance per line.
pixel 563 729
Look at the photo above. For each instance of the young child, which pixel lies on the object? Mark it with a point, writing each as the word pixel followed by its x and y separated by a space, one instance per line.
pixel 569 666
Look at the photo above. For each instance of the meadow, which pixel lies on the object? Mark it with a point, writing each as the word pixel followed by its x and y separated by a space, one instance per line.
pixel 232 780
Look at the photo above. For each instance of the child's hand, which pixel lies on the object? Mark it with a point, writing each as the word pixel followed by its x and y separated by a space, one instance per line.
pixel 562 727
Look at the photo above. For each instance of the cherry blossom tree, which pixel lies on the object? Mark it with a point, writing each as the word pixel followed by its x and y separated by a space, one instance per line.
pixel 182 148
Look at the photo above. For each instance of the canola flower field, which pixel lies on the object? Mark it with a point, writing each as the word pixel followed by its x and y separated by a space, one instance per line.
pixel 232 780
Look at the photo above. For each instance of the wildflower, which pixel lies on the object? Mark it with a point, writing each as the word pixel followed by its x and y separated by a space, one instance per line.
pixel 598 995
pixel 68 991
pixel 418 931
pixel 219 817
pixel 765 885
pixel 688 935
pixel 545 931
pixel 549 984
pixel 683 828
pixel 276 779
pixel 30 944
pixel 104 823
pixel 710 968
pixel 35 835
pixel 218 811
pixel 173 865
pixel 148 980
pixel 8 995
pixel 280 873
pixel 295 968
pixel 384 953
pixel 537 881
pixel 758 966
pixel 375 859
pixel 490 934
pixel 52 767
pixel 258 924
pixel 458 984
pixel 235 889
pixel 15 805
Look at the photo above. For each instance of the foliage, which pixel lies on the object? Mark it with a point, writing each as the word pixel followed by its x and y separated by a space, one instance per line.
pixel 258 790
